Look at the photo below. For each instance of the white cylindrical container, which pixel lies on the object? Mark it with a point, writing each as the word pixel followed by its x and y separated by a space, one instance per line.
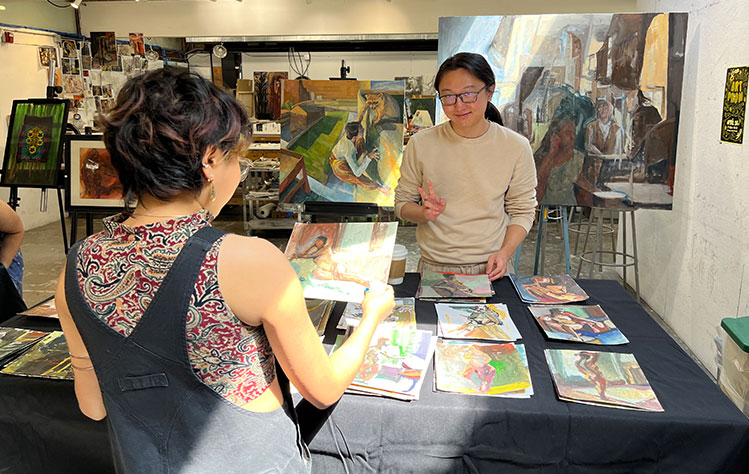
pixel 398 265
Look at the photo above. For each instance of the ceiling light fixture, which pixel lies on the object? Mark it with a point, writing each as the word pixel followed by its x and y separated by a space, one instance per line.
pixel 76 4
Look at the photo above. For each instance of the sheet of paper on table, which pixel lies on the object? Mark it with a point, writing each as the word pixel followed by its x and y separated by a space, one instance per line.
pixel 589 324
pixel 548 289
pixel 49 358
pixel 403 315
pixel 489 322
pixel 454 285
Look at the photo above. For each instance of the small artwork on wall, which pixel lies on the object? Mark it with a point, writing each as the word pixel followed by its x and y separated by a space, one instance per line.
pixel 48 54
pixel 93 180
pixel 104 50
pixel 69 49
pixel 34 143
pixel 137 44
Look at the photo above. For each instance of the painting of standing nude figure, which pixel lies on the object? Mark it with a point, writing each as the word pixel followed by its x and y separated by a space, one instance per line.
pixel 337 261
pixel 601 378
pixel 350 137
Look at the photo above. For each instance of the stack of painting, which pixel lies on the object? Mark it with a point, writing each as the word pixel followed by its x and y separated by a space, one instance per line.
pixel 597 95
pixel 49 358
pixel 601 378
pixel 479 368
pixel 589 324
pixel 45 309
pixel 344 141
pixel 547 289
pixel 319 312
pixel 395 363
pixel 338 261
pixel 454 285
pixel 403 315
pixel 489 322
pixel 15 340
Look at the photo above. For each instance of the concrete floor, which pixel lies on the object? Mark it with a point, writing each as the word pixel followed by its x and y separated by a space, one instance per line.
pixel 43 253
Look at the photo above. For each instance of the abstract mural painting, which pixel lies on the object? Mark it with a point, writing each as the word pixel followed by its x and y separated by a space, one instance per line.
pixel 597 96
pixel 601 378
pixel 34 145
pixel 343 141
pixel 93 181
pixel 337 261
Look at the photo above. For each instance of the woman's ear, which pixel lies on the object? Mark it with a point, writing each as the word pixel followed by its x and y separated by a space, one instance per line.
pixel 209 159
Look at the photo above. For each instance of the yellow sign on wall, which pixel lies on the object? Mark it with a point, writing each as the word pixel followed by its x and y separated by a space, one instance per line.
pixel 734 105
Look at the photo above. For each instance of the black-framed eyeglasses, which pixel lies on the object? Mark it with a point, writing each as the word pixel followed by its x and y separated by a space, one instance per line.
pixel 465 97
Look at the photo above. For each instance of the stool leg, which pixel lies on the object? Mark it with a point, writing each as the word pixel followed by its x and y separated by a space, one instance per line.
pixel 634 252
pixel 541 219
pixel 613 236
pixel 623 230
pixel 585 243
pixel 598 245
pixel 577 235
pixel 566 234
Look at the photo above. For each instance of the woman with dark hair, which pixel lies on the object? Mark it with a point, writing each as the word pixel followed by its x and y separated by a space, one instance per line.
pixel 180 335
pixel 461 179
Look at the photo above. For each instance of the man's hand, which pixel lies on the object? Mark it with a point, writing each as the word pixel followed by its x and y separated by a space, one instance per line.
pixel 496 266
pixel 432 205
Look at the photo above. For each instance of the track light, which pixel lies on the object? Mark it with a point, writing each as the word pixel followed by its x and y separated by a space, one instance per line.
pixel 76 4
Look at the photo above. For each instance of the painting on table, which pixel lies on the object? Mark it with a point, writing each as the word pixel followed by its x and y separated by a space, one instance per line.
pixel 403 315
pixel 454 285
pixel 15 340
pixel 48 358
pixel 597 95
pixel 547 289
pixel 476 321
pixel 93 181
pixel 337 261
pixel 345 139
pixel 476 368
pixel 34 145
pixel 395 363
pixel 46 309
pixel 588 324
pixel 601 378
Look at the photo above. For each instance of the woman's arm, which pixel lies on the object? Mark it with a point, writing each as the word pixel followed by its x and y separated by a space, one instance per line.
pixel 86 384
pixel 12 226
pixel 261 287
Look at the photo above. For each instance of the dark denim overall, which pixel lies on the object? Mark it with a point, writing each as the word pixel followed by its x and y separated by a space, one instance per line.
pixel 162 418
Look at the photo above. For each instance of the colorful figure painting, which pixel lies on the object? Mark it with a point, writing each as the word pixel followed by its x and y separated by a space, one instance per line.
pixel 104 50
pixel 588 324
pixel 338 261
pixel 137 44
pixel 14 340
pixel 345 140
pixel 403 315
pixel 597 96
pixel 454 285
pixel 94 182
pixel 49 358
pixel 268 91
pixel 601 378
pixel 476 368
pixel 34 145
pixel 395 363
pixel 548 289
pixel 476 321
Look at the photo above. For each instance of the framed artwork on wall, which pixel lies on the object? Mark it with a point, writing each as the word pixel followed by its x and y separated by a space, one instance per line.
pixel 34 144
pixel 93 183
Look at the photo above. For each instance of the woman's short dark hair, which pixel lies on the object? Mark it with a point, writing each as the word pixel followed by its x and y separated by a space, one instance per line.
pixel 163 124
pixel 476 65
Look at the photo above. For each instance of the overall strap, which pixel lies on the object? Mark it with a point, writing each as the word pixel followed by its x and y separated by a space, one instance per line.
pixel 166 316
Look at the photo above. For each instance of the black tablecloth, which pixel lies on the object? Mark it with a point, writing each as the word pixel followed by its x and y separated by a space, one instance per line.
pixel 41 429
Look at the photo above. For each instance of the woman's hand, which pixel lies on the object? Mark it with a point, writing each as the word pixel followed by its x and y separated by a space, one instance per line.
pixel 378 302
pixel 432 205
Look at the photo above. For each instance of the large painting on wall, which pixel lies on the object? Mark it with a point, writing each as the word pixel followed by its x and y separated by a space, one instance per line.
pixel 596 95
pixel 34 144
pixel 93 182
pixel 342 141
